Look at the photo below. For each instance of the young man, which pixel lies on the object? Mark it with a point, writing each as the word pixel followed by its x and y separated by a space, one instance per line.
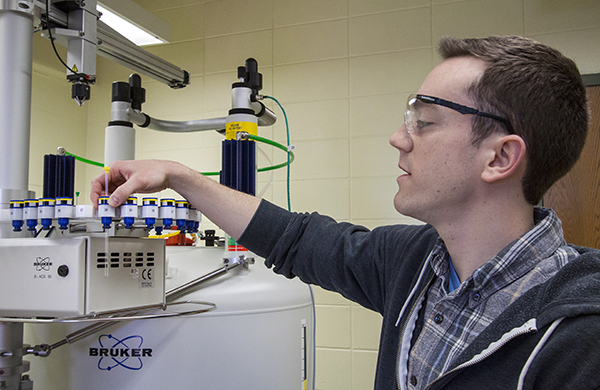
pixel 487 294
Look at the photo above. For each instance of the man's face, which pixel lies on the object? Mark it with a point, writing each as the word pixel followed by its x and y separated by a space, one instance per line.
pixel 442 166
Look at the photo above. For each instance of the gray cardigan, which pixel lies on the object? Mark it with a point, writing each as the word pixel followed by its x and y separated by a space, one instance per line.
pixel 378 269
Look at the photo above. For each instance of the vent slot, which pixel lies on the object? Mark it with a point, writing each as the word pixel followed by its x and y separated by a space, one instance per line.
pixel 125 259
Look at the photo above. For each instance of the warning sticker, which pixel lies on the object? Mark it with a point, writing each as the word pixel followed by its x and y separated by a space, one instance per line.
pixel 235 127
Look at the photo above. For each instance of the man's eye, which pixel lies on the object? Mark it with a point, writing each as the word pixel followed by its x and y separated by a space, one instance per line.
pixel 422 124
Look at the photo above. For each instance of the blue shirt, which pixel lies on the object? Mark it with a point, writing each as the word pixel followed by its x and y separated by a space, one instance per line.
pixel 453 281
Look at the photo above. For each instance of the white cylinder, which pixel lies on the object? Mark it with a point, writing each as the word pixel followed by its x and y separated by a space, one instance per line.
pixel 195 215
pixel 16 43
pixel 119 144
pixel 167 208
pixel 182 209
pixel 104 210
pixel 150 208
pixel 64 208
pixel 30 209
pixel 260 337
pixel 46 208
pixel 16 210
pixel 130 208
pixel 240 97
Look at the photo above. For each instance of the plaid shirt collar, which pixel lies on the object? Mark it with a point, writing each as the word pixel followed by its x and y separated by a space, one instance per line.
pixel 536 244
pixel 497 283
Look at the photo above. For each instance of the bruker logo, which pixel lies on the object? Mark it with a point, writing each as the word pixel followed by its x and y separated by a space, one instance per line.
pixel 42 264
pixel 127 353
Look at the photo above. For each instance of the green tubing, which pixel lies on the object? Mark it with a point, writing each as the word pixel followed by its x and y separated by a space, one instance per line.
pixel 252 137
pixel 269 168
pixel 290 155
pixel 277 145
pixel 85 160
pixel 265 169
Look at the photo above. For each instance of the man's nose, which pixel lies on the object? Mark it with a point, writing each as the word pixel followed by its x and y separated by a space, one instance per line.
pixel 401 140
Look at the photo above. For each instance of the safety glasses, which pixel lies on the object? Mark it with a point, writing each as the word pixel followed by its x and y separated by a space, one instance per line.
pixel 414 124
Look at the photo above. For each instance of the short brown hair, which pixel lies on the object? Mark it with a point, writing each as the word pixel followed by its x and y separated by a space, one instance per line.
pixel 541 93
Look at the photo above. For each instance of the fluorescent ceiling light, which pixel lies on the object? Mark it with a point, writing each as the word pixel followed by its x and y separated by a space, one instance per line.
pixel 129 30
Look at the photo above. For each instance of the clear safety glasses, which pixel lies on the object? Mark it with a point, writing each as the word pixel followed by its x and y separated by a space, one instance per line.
pixel 414 124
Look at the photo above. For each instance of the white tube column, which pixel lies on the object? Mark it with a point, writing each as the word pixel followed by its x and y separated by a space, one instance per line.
pixel 119 144
pixel 119 136
pixel 16 46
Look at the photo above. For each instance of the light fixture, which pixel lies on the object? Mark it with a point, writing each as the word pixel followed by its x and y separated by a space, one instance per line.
pixel 133 22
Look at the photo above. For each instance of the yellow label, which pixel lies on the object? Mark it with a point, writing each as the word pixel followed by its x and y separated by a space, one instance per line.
pixel 75 68
pixel 235 127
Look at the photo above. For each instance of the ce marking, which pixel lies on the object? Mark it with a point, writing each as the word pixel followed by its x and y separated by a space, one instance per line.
pixel 147 274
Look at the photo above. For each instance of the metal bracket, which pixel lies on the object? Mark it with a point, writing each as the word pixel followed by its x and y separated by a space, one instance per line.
pixel 241 260
pixel 128 314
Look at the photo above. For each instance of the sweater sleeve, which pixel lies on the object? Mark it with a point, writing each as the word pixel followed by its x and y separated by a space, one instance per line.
pixel 358 263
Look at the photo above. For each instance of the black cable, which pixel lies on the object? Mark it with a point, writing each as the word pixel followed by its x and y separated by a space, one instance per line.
pixel 85 77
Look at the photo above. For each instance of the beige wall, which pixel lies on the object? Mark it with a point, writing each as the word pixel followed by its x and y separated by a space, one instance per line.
pixel 342 69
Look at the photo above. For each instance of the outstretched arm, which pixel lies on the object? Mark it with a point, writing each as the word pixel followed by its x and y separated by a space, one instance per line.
pixel 229 209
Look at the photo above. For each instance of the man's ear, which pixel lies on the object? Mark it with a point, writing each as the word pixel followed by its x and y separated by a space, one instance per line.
pixel 505 156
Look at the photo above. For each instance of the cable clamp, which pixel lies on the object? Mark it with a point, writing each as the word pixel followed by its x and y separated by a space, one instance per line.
pixel 291 148
pixel 241 136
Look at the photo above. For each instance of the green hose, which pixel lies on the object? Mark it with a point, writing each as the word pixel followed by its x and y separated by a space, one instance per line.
pixel 85 160
pixel 277 145
pixel 252 137
pixel 290 155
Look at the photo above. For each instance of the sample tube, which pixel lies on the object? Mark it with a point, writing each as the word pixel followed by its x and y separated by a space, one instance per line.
pixel 64 211
pixel 105 212
pixel 30 213
pixel 16 214
pixel 167 212
pixel 46 212
pixel 129 211
pixel 182 213
pixel 150 211
pixel 194 222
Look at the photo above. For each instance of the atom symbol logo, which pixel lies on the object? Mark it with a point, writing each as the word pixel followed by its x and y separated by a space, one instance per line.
pixel 42 264
pixel 124 360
